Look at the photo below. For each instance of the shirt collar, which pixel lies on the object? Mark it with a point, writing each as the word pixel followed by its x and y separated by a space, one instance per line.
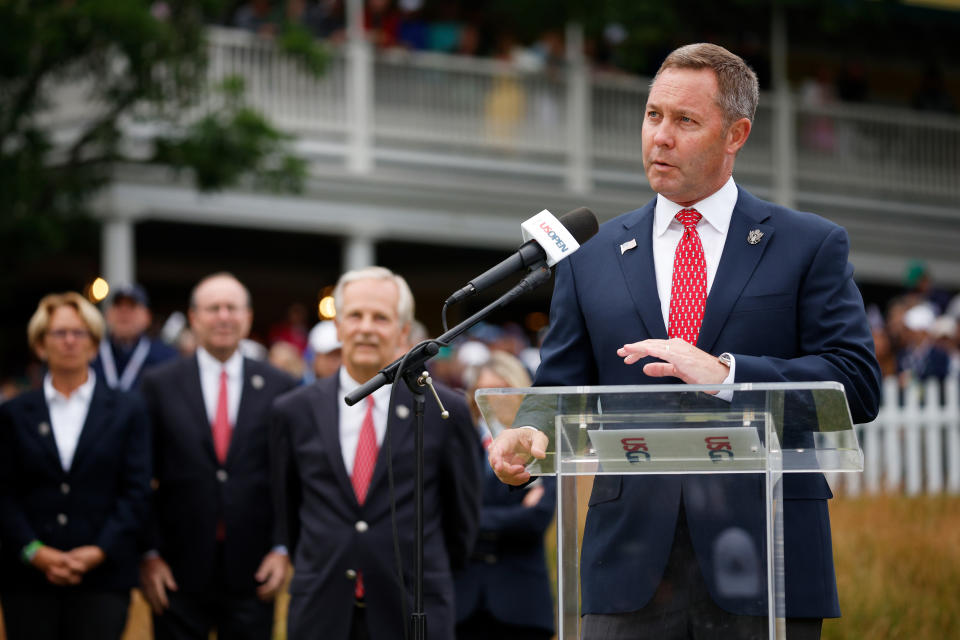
pixel 381 397
pixel 84 392
pixel 716 209
pixel 209 364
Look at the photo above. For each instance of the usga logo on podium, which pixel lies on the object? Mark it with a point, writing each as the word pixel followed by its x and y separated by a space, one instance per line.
pixel 636 449
pixel 719 448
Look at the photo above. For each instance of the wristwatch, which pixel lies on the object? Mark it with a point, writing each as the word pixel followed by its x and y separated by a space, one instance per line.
pixel 725 359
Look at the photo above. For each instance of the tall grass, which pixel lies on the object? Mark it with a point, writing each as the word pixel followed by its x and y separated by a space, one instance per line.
pixel 898 568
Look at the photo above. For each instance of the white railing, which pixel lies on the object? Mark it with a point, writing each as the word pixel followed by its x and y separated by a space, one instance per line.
pixel 914 444
pixel 494 115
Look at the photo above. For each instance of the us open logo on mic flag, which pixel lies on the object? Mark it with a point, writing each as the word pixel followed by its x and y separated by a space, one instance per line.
pixel 553 237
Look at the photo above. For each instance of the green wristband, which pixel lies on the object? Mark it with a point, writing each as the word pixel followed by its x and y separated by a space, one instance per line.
pixel 30 550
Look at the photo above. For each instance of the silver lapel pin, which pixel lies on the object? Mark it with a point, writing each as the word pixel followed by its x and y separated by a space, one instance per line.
pixel 629 244
pixel 257 381
pixel 753 237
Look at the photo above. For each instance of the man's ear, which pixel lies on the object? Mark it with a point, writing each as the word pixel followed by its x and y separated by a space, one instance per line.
pixel 737 134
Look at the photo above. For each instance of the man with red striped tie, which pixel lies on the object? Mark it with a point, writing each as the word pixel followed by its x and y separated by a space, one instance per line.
pixel 332 483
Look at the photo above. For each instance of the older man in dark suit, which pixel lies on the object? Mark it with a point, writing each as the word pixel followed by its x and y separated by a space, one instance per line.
pixel 332 481
pixel 215 561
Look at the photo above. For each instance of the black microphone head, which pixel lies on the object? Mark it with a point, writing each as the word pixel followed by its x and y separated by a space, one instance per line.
pixel 581 223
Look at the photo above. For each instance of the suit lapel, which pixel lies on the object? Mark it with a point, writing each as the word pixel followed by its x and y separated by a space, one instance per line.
pixel 737 264
pixel 38 419
pixel 101 408
pixel 399 430
pixel 638 269
pixel 193 401
pixel 326 416
pixel 252 398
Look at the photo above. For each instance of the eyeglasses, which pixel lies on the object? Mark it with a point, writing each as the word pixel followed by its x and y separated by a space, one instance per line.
pixel 76 334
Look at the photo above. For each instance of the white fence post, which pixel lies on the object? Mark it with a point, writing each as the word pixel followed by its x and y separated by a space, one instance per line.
pixel 913 445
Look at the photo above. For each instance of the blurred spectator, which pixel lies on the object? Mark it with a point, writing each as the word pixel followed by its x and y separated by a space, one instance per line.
pixel 414 31
pixel 324 19
pixel 919 287
pixel 932 95
pixel 293 329
pixel 127 350
pixel 504 591
pixel 884 350
pixel 74 487
pixel 921 357
pixel 816 93
pixel 325 347
pixel 287 358
pixel 852 82
pixel 258 16
pixel 382 23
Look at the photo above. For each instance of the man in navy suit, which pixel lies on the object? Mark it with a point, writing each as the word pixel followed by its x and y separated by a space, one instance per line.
pixel 127 351
pixel 214 560
pixel 332 483
pixel 772 299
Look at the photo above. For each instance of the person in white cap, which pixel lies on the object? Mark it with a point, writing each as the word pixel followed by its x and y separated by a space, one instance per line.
pixel 326 348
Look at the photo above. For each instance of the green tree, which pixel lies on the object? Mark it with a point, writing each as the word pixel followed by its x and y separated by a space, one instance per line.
pixel 120 60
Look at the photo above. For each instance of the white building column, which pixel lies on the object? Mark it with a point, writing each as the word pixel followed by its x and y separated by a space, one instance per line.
pixel 117 251
pixel 359 92
pixel 358 252
pixel 579 177
pixel 784 125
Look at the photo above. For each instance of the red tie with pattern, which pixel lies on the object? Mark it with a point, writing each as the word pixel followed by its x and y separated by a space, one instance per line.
pixel 688 295
pixel 221 436
pixel 221 421
pixel 363 463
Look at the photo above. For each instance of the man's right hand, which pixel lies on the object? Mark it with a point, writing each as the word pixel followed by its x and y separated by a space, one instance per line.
pixel 510 452
pixel 155 579
pixel 60 568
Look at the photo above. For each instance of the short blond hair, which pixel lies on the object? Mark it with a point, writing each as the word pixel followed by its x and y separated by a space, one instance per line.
pixel 40 321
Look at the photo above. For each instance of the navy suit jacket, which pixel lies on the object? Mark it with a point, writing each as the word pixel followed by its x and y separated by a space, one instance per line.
pixel 194 491
pixel 507 573
pixel 321 511
pixel 788 310
pixel 102 500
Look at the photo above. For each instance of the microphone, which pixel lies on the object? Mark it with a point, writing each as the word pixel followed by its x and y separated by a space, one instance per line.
pixel 550 240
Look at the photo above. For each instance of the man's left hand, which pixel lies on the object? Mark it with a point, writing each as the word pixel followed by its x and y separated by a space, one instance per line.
pixel 271 575
pixel 680 360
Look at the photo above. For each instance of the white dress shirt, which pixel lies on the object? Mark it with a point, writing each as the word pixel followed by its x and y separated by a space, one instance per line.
pixel 716 209
pixel 210 369
pixel 351 418
pixel 68 414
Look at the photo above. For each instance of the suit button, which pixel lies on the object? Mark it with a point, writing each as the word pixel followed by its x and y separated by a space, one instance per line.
pixel 361 526
pixel 222 475
pixel 64 488
pixel 62 519
pixel 351 574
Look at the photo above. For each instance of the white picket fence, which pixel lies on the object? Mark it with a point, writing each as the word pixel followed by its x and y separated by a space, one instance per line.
pixel 913 446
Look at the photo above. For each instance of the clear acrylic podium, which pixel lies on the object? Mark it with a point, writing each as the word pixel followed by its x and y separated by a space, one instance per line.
pixel 765 430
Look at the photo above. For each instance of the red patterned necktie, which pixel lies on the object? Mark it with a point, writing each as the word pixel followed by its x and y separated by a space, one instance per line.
pixel 363 463
pixel 688 295
pixel 221 421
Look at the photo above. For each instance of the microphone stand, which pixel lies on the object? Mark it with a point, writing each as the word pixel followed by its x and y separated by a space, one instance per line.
pixel 406 368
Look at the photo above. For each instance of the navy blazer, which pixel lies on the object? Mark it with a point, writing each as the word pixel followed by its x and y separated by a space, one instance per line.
pixel 102 500
pixel 194 491
pixel 327 541
pixel 788 310
pixel 507 573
